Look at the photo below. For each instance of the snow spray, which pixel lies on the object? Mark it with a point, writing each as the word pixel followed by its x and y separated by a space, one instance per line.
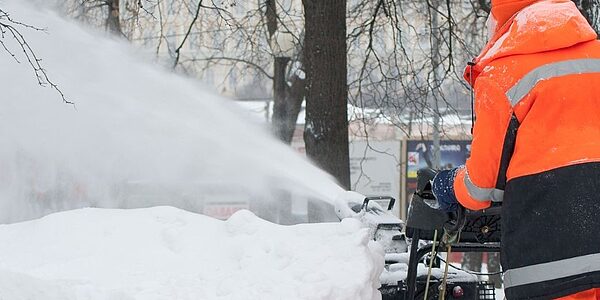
pixel 137 136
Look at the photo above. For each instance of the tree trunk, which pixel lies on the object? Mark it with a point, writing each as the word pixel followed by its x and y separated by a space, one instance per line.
pixel 437 68
pixel 271 14
pixel 326 129
pixel 294 97
pixel 279 118
pixel 589 8
pixel 283 105
pixel 113 21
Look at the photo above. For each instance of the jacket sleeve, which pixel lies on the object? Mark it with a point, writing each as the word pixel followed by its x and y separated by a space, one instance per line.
pixel 483 178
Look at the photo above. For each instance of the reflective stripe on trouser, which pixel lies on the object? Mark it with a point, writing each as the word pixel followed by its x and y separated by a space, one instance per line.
pixel 547 71
pixel 552 270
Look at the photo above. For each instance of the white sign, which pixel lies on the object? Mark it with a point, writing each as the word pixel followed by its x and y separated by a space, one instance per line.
pixel 375 169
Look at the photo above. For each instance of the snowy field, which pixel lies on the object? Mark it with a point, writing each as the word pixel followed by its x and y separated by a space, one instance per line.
pixel 167 253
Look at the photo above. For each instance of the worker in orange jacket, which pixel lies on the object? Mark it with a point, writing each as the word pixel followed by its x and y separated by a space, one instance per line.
pixel 536 148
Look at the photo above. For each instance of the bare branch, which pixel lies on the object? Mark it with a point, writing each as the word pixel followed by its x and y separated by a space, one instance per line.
pixel 187 34
pixel 233 59
pixel 8 28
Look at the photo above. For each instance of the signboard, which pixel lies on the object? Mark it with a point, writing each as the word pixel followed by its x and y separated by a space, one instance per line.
pixel 419 154
pixel 374 169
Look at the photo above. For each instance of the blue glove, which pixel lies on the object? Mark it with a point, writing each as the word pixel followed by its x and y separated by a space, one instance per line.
pixel 443 190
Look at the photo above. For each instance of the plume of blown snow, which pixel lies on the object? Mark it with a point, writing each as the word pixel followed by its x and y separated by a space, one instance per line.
pixel 138 135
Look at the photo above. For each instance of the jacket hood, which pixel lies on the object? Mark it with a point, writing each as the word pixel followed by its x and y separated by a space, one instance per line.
pixel 503 10
pixel 543 26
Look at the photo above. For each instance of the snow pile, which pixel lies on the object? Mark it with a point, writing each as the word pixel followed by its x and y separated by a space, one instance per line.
pixel 167 253
pixel 137 136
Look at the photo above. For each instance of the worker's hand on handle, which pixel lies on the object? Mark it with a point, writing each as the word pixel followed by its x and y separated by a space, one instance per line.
pixel 443 189
pixel 437 188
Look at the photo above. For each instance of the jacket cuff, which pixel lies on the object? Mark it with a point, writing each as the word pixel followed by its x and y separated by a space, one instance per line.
pixel 462 194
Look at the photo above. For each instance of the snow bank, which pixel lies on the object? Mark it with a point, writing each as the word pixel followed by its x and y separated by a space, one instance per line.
pixel 167 253
pixel 138 135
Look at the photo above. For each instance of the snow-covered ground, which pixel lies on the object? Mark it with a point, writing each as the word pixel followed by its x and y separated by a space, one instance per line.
pixel 167 253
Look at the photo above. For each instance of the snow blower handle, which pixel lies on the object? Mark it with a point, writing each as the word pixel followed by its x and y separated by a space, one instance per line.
pixel 425 178
pixel 456 220
pixel 424 190
pixel 368 199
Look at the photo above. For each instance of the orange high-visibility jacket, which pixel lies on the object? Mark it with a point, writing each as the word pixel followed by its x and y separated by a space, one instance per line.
pixel 536 147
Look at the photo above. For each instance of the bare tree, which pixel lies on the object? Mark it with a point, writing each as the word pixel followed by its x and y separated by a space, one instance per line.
pixel 410 56
pixel 113 19
pixel 287 98
pixel 241 43
pixel 110 14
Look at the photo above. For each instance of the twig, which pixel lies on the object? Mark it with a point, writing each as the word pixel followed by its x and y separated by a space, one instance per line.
pixel 8 27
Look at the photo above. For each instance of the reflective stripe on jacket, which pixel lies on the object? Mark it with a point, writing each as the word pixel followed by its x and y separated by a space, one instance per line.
pixel 536 145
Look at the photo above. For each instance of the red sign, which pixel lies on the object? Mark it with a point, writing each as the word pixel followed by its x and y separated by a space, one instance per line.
pixel 223 211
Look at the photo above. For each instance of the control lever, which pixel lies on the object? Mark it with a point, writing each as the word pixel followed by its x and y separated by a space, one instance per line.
pixel 454 225
pixel 368 199
pixel 424 189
